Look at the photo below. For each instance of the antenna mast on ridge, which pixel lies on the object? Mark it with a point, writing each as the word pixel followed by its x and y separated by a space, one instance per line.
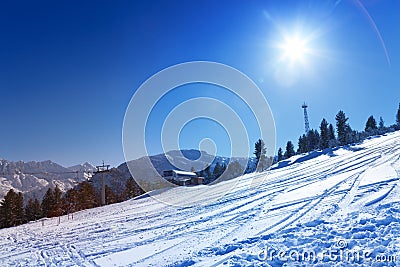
pixel 306 123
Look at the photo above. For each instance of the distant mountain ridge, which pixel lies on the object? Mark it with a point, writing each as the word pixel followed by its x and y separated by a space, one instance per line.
pixel 148 167
pixel 33 178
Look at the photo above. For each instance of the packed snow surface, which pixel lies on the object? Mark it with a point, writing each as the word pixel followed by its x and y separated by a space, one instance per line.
pixel 337 207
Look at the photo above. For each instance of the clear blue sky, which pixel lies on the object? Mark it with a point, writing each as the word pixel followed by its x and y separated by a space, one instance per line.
pixel 69 68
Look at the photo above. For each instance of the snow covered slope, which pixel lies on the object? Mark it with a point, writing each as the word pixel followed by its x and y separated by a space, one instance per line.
pixel 333 205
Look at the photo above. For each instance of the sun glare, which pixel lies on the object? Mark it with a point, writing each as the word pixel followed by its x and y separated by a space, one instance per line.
pixel 294 55
pixel 294 49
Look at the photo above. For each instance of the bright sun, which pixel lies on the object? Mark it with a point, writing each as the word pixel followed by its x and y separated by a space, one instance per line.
pixel 294 49
pixel 295 53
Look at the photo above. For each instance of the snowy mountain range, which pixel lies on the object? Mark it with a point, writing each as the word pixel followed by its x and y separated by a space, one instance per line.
pixel 148 167
pixel 339 207
pixel 33 178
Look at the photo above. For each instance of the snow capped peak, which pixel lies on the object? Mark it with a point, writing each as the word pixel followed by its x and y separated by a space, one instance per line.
pixel 88 164
pixel 33 177
pixel 86 167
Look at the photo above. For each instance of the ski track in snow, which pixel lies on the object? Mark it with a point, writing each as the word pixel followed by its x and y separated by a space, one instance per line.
pixel 352 194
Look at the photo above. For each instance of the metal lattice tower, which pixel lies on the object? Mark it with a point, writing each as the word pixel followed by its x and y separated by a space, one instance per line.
pixel 306 123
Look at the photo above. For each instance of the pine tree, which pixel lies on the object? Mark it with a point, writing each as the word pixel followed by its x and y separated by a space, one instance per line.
pixel 398 116
pixel 332 137
pixel 207 172
pixel 216 170
pixel 234 169
pixel 343 129
pixel 47 205
pixel 249 168
pixel 324 134
pixel 331 131
pixel 19 208
pixel 57 207
pixel 132 189
pixel 32 210
pixel 313 140
pixel 6 209
pixel 71 201
pixel 262 163
pixel 260 153
pixel 11 209
pixel 303 144
pixel 29 211
pixel 223 168
pixel 280 154
pixel 371 124
pixel 289 150
pixel 111 197
pixel 381 123
pixel 37 211
pixel 87 196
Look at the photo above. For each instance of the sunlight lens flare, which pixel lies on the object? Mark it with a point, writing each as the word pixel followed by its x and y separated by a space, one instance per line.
pixel 294 49
pixel 295 55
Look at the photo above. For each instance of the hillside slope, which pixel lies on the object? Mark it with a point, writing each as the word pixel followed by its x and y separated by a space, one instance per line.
pixel 342 202
pixel 148 167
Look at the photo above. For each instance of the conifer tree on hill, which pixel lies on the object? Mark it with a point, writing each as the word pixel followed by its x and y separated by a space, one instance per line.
pixel 371 124
pixel 33 210
pixel 11 209
pixel 324 143
pixel 381 123
pixel 289 150
pixel 280 154
pixel 398 116
pixel 260 153
pixel 48 202
pixel 342 127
